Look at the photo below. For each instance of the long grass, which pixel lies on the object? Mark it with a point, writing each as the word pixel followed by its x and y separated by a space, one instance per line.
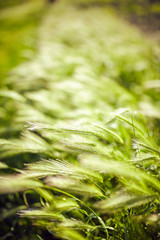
pixel 80 144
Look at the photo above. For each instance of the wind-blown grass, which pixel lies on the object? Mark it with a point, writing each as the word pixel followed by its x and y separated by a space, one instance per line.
pixel 83 127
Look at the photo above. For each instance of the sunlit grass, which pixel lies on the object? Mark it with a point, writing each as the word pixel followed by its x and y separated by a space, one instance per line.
pixel 83 113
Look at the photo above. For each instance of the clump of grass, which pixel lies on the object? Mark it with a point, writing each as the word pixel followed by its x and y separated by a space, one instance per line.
pixel 89 150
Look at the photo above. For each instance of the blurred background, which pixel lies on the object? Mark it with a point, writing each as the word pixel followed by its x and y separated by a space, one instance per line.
pixel 19 20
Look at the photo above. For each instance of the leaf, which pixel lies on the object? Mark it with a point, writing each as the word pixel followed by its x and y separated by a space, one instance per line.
pixel 53 167
pixel 16 183
pixel 42 214
pixel 70 234
pixel 29 142
pixel 3 165
pixel 149 147
pixel 75 224
pixel 74 186
pixel 122 200
pixel 121 170
pixel 66 204
pixel 118 138
pixel 84 130
pixel 40 237
pixel 12 94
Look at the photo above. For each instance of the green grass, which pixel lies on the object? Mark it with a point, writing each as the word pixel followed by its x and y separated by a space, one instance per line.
pixel 80 144
pixel 18 32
